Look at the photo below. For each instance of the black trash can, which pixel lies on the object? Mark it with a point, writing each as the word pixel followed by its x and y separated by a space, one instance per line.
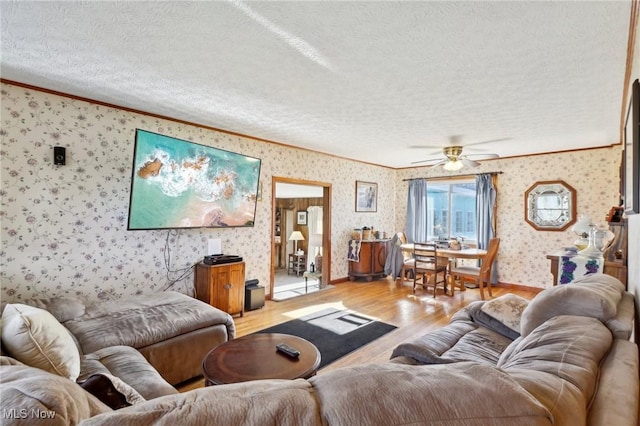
pixel 253 295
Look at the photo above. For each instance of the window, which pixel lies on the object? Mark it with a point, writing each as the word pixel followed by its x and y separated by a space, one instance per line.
pixel 459 224
pixel 458 197
pixel 471 221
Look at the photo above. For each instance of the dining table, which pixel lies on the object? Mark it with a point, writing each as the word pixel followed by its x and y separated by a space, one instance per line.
pixel 464 253
pixel 451 254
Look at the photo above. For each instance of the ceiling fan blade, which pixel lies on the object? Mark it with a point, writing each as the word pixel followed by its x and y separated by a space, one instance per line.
pixel 425 147
pixel 431 153
pixel 439 160
pixel 487 141
pixel 468 163
pixel 483 156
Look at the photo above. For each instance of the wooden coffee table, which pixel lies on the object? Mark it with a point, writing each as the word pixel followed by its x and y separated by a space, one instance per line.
pixel 254 357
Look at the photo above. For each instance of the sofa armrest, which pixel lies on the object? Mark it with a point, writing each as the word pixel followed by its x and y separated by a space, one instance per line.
pixel 616 400
pixel 621 325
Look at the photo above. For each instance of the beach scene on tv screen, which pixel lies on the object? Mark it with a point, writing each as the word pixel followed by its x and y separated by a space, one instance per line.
pixel 181 184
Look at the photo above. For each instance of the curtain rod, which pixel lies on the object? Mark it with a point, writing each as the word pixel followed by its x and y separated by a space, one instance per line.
pixel 453 176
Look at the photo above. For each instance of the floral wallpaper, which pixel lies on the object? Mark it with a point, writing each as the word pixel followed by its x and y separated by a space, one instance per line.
pixel 63 228
pixel 523 250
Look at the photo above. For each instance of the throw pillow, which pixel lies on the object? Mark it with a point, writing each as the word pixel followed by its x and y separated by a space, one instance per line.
pixel 33 336
pixel 507 309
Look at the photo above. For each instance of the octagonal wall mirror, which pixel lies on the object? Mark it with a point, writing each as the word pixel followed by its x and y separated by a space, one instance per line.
pixel 550 205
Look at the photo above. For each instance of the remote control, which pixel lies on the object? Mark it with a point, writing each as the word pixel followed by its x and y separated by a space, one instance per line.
pixel 288 350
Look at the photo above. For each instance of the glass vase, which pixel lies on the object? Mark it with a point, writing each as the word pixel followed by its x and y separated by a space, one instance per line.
pixel 591 251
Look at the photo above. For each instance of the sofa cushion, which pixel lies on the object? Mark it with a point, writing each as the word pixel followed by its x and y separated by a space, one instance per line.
pixel 33 336
pixel 429 348
pixel 129 366
pixel 62 308
pixel 461 340
pixel 33 396
pixel 7 360
pixel 259 402
pixel 144 320
pixel 558 363
pixel 393 394
pixel 601 278
pixel 593 296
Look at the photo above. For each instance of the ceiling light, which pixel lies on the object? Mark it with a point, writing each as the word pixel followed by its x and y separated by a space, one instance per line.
pixel 453 166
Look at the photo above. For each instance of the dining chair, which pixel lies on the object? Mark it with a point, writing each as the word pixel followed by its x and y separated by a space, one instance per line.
pixel 430 267
pixel 478 274
pixel 407 258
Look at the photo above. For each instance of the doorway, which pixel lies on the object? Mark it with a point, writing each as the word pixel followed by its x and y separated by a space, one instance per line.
pixel 298 244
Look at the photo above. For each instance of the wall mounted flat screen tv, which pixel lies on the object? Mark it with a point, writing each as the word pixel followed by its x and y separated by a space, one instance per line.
pixel 181 184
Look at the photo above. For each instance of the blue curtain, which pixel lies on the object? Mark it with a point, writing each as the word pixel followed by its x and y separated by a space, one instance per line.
pixel 485 205
pixel 417 211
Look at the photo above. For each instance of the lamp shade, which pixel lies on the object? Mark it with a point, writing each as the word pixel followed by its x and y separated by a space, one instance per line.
pixel 296 236
pixel 583 225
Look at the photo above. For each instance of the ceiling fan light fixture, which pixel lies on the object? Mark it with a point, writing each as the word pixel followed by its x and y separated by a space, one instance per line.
pixel 453 165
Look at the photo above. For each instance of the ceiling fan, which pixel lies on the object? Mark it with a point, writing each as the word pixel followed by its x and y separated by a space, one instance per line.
pixel 454 159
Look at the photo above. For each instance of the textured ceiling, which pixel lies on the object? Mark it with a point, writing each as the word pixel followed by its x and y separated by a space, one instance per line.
pixel 364 80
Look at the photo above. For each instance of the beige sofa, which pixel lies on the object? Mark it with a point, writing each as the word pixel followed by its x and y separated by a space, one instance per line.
pixel 171 330
pixel 142 345
pixel 561 359
pixel 568 348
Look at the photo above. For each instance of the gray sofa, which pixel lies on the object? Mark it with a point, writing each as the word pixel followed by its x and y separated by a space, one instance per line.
pixel 143 344
pixel 171 330
pixel 563 359
pixel 568 348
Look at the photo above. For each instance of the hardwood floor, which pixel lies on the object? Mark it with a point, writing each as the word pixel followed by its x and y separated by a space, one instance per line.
pixel 383 300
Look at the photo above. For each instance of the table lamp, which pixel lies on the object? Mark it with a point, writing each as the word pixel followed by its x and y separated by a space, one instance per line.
pixel 582 228
pixel 295 237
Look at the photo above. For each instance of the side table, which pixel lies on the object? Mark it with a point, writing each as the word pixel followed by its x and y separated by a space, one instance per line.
pixel 297 263
pixel 254 357
pixel 309 274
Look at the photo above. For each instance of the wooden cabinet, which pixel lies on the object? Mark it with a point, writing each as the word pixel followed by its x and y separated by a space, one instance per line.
pixel 373 255
pixel 616 269
pixel 616 255
pixel 221 286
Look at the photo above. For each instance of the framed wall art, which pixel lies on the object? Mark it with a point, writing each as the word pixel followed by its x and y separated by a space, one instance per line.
pixel 632 153
pixel 366 196
pixel 302 217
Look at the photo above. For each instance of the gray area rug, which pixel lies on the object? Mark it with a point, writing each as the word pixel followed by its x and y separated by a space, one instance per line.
pixel 334 332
